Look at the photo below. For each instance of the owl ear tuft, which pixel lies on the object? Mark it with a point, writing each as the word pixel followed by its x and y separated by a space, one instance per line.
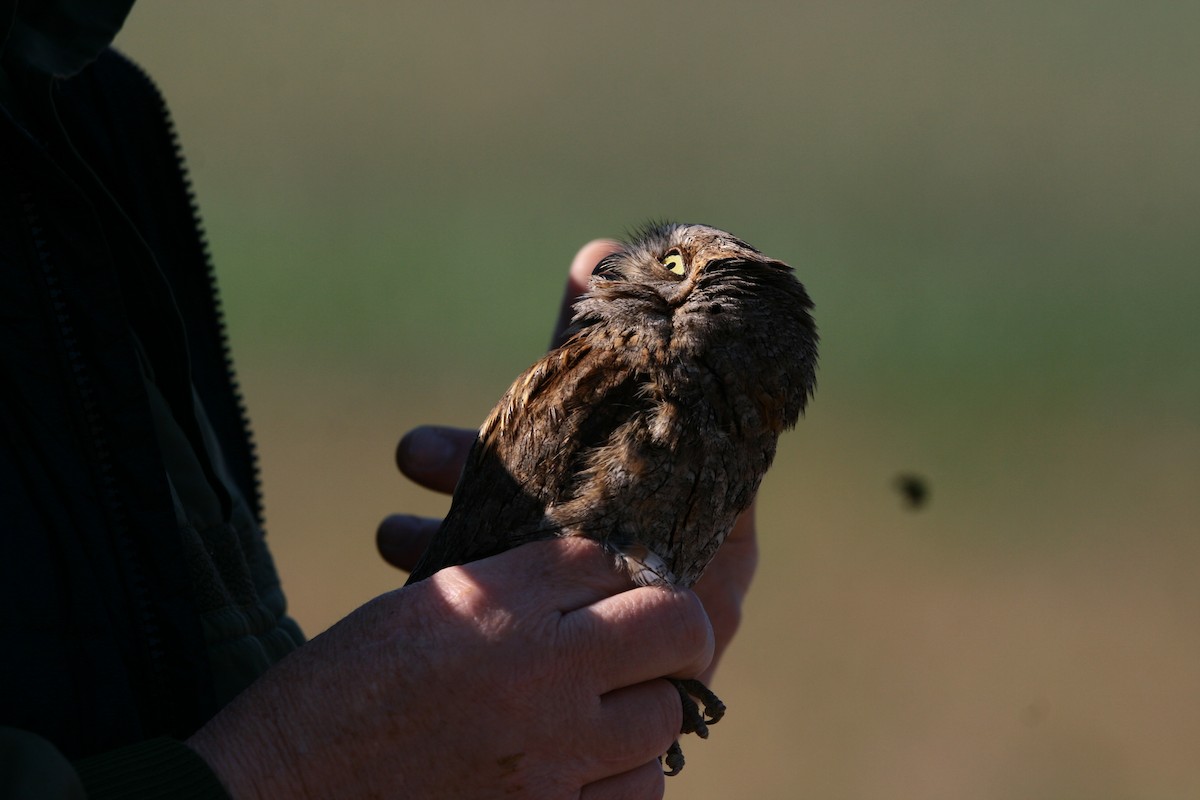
pixel 607 269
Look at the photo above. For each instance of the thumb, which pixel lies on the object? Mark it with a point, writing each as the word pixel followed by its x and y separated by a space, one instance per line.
pixel 577 281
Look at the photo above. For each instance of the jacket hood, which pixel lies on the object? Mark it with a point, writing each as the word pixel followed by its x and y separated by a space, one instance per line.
pixel 59 37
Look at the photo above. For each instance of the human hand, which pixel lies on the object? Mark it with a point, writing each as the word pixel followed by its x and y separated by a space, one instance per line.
pixel 433 457
pixel 532 673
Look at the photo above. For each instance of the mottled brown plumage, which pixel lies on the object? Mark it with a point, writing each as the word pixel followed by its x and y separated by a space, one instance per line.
pixel 651 426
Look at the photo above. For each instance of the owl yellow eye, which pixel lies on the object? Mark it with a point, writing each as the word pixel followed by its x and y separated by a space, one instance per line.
pixel 673 262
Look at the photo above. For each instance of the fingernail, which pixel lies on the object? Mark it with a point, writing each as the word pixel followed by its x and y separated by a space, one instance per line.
pixel 425 449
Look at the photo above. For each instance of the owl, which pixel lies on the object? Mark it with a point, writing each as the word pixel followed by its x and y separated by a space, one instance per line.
pixel 650 428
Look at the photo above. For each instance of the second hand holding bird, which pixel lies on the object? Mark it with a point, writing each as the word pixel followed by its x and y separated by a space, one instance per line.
pixel 565 452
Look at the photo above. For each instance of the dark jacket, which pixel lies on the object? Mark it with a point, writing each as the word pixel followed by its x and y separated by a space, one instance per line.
pixel 137 595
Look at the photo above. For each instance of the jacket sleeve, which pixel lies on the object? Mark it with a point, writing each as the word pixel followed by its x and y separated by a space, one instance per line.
pixel 31 767
pixel 156 768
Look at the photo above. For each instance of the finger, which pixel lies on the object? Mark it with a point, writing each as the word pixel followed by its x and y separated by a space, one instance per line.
pixel 635 724
pixel 646 782
pixel 577 281
pixel 642 634
pixel 433 455
pixel 558 575
pixel 402 538
pixel 723 587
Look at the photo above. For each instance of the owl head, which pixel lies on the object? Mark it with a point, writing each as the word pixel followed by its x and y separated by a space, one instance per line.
pixel 673 257
pixel 704 293
pixel 686 265
pixel 675 270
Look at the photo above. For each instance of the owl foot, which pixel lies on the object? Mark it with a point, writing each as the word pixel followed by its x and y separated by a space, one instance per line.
pixel 673 759
pixel 693 721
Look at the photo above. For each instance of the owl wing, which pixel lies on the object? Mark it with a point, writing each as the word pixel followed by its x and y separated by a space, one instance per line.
pixel 531 450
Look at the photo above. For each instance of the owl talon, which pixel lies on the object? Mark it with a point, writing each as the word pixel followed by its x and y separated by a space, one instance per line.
pixel 714 709
pixel 693 720
pixel 673 759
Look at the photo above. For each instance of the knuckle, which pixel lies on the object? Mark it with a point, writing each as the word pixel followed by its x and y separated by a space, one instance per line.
pixel 670 715
pixel 547 561
pixel 579 562
pixel 649 782
pixel 461 593
pixel 656 783
pixel 645 782
pixel 580 552
pixel 692 627
pixel 647 722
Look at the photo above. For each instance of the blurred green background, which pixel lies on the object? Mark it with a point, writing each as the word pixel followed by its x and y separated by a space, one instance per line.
pixel 995 207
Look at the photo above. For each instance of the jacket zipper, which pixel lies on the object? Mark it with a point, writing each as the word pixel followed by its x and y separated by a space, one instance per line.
pixel 218 329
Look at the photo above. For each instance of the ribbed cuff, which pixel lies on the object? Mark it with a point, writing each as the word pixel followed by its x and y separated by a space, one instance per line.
pixel 156 768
